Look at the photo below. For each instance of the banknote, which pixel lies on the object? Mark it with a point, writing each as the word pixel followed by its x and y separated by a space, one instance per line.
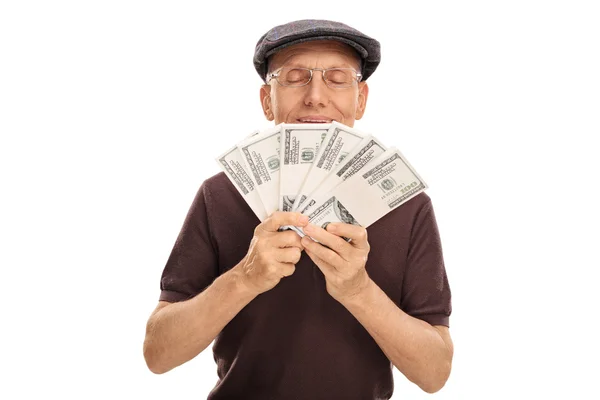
pixel 300 143
pixel 367 150
pixel 232 163
pixel 389 182
pixel 261 157
pixel 330 172
pixel 338 142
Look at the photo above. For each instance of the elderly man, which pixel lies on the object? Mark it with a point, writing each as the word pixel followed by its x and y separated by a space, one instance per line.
pixel 291 318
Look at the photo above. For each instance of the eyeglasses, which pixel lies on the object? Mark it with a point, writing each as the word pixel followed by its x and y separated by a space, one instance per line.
pixel 337 78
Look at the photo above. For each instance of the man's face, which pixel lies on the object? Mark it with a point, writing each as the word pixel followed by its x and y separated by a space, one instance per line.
pixel 315 102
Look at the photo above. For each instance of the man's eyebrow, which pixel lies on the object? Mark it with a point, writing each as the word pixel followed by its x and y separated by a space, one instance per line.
pixel 335 65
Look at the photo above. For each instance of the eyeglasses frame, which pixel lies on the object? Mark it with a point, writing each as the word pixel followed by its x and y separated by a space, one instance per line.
pixel 276 73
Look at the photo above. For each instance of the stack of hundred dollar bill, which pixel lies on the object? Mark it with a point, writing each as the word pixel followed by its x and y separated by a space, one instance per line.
pixel 330 172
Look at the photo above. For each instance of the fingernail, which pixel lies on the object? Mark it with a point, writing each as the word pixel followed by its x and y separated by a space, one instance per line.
pixel 308 228
pixel 303 219
pixel 330 228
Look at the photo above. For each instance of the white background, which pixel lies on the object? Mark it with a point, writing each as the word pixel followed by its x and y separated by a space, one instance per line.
pixel 111 115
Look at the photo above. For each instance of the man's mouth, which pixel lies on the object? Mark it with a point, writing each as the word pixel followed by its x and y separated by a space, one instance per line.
pixel 314 120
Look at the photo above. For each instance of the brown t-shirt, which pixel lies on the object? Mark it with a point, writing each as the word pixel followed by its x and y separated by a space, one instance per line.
pixel 295 341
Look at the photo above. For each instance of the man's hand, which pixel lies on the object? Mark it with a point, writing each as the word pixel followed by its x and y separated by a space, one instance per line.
pixel 272 255
pixel 342 262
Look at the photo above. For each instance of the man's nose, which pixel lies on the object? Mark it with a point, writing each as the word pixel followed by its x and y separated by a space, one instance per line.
pixel 317 92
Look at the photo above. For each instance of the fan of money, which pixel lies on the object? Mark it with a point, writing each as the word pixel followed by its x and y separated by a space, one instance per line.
pixel 330 172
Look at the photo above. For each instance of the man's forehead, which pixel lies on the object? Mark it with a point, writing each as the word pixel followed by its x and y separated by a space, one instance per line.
pixel 318 48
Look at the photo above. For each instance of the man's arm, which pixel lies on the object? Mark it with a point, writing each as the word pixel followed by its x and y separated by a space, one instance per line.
pixel 178 332
pixel 423 353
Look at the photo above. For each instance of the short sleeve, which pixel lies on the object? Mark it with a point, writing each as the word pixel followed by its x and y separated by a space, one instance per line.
pixel 426 292
pixel 193 262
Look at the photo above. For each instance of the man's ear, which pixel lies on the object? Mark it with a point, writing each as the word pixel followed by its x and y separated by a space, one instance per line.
pixel 265 101
pixel 361 104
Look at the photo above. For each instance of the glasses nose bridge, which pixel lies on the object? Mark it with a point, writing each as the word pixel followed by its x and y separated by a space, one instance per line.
pixel 310 78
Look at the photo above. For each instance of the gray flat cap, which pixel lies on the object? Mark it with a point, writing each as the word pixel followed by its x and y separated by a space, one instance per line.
pixel 307 30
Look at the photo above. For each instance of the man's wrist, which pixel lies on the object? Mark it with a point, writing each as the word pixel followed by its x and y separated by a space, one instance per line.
pixel 360 295
pixel 240 283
